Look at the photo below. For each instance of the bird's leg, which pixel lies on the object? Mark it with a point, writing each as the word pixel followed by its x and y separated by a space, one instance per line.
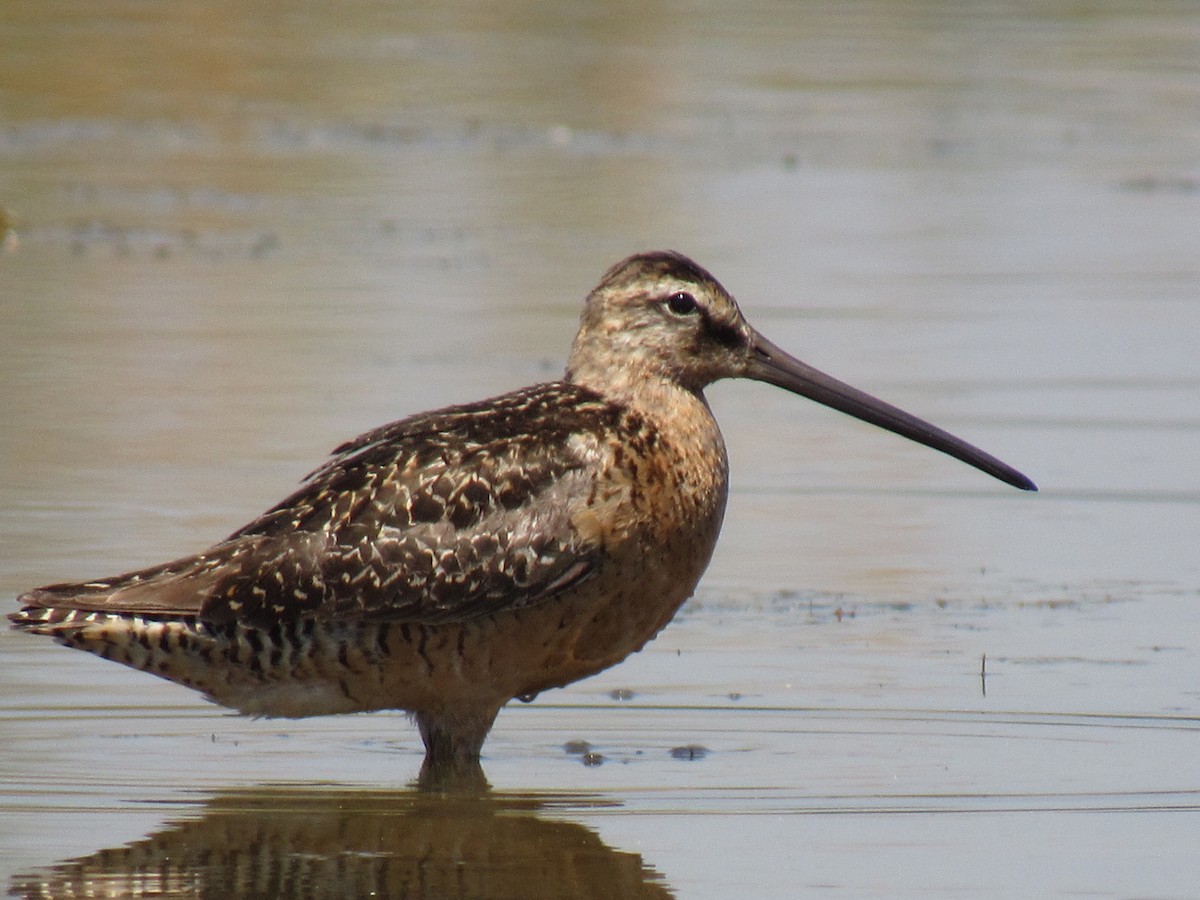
pixel 453 741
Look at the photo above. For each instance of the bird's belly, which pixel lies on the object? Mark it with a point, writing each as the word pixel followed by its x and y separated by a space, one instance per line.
pixel 592 626
pixel 483 661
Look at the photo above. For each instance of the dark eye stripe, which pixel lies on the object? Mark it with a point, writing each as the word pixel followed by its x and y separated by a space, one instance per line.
pixel 723 333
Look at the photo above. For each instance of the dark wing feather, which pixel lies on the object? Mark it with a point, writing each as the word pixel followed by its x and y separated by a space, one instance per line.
pixel 435 518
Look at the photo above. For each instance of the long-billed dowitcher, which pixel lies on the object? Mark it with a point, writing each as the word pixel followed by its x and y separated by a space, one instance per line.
pixel 449 562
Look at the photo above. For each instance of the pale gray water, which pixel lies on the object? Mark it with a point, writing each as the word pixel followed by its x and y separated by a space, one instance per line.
pixel 243 233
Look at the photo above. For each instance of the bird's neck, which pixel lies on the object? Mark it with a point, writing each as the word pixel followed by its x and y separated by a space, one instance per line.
pixel 679 416
pixel 643 390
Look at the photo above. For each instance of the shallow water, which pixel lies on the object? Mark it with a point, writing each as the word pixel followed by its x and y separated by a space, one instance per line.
pixel 897 679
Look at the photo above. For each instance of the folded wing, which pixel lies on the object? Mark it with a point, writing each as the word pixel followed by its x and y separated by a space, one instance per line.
pixel 436 518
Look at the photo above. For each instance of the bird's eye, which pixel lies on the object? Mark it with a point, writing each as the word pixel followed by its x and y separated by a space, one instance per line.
pixel 682 304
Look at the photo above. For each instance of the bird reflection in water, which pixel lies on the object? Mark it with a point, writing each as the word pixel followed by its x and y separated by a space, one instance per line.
pixel 335 843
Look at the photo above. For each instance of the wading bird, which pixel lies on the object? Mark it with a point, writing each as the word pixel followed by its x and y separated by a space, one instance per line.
pixel 452 561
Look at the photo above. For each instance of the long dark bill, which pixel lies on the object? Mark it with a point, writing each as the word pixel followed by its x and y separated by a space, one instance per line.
pixel 771 364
